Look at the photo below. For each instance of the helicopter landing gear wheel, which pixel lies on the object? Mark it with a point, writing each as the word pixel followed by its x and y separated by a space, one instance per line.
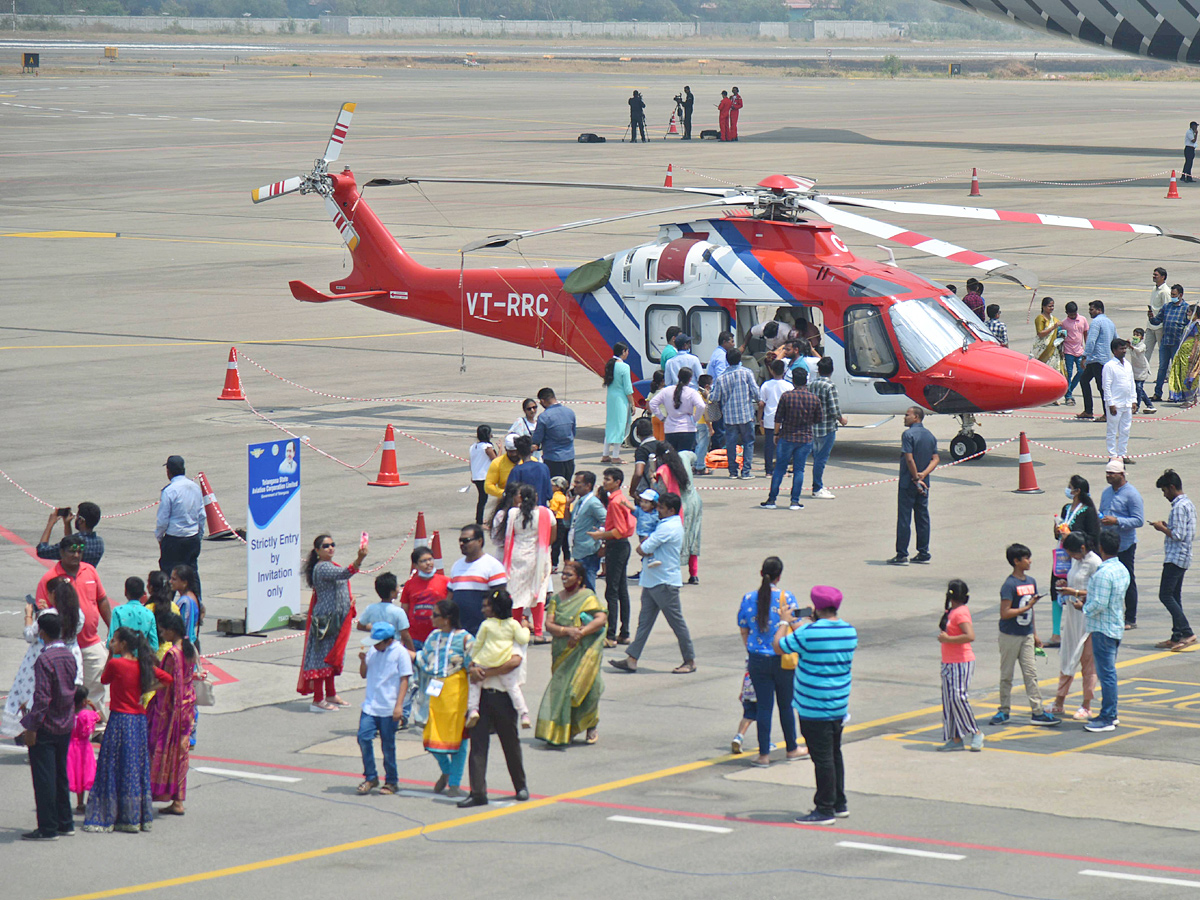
pixel 980 444
pixel 962 446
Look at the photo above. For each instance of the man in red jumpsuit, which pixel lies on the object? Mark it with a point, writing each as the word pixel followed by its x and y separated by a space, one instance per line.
pixel 723 109
pixel 735 106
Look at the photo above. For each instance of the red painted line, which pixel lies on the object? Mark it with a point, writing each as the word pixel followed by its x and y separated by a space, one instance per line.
pixel 222 677
pixel 26 546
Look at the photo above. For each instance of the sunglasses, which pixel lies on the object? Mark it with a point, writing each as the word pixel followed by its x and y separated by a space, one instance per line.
pixel 468 540
pixel 328 546
pixel 528 408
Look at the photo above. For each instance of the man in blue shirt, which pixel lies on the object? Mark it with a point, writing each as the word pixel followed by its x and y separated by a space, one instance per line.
pixel 661 580
pixel 821 696
pixel 737 392
pixel 918 459
pixel 1173 318
pixel 1106 625
pixel 587 514
pixel 684 357
pixel 1097 350
pixel 1121 507
pixel 555 434
pixel 530 471
pixel 179 528
pixel 717 364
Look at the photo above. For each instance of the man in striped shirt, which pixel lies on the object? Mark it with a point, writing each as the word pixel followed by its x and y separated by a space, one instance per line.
pixel 1104 611
pixel 1179 531
pixel 826 646
pixel 825 431
pixel 473 576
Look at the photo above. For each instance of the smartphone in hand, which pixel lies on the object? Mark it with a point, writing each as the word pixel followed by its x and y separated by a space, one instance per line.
pixel 362 544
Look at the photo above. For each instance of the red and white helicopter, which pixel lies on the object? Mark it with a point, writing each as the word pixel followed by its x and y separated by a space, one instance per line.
pixel 895 338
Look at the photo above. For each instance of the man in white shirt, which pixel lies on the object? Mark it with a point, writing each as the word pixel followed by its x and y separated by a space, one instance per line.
pixel 685 357
pixel 770 392
pixel 1120 393
pixel 1159 295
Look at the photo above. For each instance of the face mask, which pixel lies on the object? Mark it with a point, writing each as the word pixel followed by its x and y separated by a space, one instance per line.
pixel 1137 342
pixel 426 574
pixel 1067 491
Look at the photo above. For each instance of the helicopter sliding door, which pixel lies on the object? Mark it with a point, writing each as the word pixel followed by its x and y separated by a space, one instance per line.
pixel 705 324
pixel 870 363
pixel 660 317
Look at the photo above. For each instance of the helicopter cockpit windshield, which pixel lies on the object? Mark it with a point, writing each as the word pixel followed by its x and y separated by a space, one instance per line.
pixel 963 312
pixel 926 331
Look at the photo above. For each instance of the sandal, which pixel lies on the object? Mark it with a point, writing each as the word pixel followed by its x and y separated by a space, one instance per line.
pixel 686 669
pixel 389 789
pixel 801 753
pixel 618 461
pixel 338 701
pixel 365 786
pixel 606 459
pixel 609 643
pixel 592 735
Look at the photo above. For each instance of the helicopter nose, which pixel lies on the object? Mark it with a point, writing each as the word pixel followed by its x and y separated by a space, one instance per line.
pixel 989 378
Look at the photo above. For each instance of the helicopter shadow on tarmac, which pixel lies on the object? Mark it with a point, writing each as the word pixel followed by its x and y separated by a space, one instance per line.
pixel 799 135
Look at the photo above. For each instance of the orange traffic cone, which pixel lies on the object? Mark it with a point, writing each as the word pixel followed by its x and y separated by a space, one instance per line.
pixel 1173 190
pixel 1028 480
pixel 420 536
pixel 388 476
pixel 974 184
pixel 217 526
pixel 673 128
pixel 670 182
pixel 439 567
pixel 233 382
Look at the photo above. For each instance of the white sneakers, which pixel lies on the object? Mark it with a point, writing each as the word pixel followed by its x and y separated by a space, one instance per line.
pixel 822 494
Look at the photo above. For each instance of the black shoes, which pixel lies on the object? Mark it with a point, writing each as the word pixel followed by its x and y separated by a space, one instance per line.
pixel 900 559
pixel 522 795
pixel 922 558
pixel 472 800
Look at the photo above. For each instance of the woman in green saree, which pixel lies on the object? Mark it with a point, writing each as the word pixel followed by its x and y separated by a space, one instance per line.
pixel 576 620
pixel 1184 378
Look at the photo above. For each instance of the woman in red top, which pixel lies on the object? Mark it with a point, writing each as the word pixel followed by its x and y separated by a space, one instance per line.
pixel 956 633
pixel 120 797
pixel 421 594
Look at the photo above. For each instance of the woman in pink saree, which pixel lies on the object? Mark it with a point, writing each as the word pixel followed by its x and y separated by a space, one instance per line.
pixel 529 533
pixel 170 716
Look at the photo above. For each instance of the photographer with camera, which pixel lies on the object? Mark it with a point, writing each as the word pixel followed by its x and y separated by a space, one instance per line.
pixel 637 117
pixel 86 518
pixel 684 103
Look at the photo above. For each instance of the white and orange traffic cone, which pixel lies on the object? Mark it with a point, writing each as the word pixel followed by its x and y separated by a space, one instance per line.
pixel 1173 190
pixel 673 128
pixel 233 382
pixel 389 475
pixel 439 568
pixel 670 181
pixel 974 184
pixel 420 535
pixel 217 525
pixel 1027 483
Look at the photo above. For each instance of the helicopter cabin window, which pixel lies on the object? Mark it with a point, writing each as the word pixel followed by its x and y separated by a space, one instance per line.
pixel 868 351
pixel 926 332
pixel 874 286
pixel 705 325
pixel 658 320
pixel 960 309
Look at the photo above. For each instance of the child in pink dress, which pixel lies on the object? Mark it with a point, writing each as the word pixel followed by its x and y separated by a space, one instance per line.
pixel 81 761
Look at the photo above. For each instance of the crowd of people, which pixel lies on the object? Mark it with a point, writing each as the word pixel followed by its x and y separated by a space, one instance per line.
pixel 146 661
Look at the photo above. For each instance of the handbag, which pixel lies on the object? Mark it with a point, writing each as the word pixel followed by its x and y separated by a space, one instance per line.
pixel 321 626
pixel 205 694
pixel 712 411
pixel 787 660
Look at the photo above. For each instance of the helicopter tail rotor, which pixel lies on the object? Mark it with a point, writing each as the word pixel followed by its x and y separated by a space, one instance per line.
pixel 278 189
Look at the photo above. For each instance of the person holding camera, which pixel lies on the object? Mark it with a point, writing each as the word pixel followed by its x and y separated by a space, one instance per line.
pixel 686 102
pixel 637 117
pixel 87 517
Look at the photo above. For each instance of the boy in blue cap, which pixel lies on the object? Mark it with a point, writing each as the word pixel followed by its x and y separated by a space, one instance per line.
pixel 387 666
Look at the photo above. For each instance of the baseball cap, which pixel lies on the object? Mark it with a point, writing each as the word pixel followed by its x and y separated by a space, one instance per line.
pixel 825 597
pixel 380 631
pixel 649 494
pixel 1115 465
pixel 510 442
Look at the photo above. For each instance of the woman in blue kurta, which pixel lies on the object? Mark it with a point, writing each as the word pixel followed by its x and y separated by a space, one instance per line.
pixel 620 403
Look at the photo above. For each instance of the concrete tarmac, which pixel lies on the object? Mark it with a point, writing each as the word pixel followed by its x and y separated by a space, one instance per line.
pixel 113 352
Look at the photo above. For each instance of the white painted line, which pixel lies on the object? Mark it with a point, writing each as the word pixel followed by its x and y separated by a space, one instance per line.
pixel 903 851
pixel 1125 876
pixel 12 748
pixel 235 774
pixel 687 826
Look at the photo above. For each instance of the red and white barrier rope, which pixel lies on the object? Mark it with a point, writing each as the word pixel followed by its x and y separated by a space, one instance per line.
pixel 38 499
pixel 307 443
pixel 1162 174
pixel 1106 456
pixel 296 384
pixel 395 552
pixel 429 445
pixel 275 640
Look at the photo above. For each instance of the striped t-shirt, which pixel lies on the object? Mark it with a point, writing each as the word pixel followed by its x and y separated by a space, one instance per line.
pixel 822 688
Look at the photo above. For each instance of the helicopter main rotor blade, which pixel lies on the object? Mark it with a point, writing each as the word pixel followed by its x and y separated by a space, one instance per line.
pixel 648 188
pixel 502 240
pixel 1007 215
pixel 920 242
pixel 340 126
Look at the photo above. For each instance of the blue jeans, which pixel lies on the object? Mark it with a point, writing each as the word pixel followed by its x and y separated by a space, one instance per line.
pixel 385 727
pixel 739 433
pixel 591 563
pixel 1166 353
pixel 795 454
pixel 768 449
pixel 1142 399
pixel 702 437
pixel 771 679
pixel 822 447
pixel 1077 364
pixel 1104 651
